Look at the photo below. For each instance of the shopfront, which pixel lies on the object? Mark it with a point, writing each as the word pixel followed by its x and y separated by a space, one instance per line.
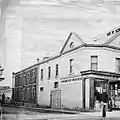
pixel 104 87
pixel 114 92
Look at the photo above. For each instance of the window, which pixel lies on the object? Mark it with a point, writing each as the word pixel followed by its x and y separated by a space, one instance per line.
pixel 33 92
pixel 49 72
pixel 41 74
pixel 56 70
pixel 55 84
pixel 28 77
pixel 94 62
pixel 41 88
pixel 71 65
pixel 117 64
pixel 27 93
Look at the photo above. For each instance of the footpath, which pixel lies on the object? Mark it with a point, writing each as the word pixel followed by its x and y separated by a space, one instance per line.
pixel 55 114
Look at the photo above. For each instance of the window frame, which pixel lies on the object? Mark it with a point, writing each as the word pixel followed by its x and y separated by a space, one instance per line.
pixel 71 66
pixel 118 65
pixel 41 74
pixel 49 72
pixel 94 63
pixel 57 70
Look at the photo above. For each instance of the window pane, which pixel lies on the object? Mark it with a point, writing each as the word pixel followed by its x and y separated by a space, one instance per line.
pixel 41 74
pixel 56 69
pixel 94 59
pixel 118 64
pixel 93 66
pixel 49 72
pixel 94 62
pixel 71 65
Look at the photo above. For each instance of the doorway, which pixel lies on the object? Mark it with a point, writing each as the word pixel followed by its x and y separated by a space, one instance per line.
pixel 55 99
pixel 100 93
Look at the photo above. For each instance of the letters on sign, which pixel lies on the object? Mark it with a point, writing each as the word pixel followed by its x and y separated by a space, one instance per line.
pixel 70 80
pixel 113 32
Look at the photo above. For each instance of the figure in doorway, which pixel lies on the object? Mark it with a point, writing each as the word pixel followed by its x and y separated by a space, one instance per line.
pixel 3 98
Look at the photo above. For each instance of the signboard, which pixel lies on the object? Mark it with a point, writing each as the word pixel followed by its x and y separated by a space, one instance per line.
pixel 113 32
pixel 71 80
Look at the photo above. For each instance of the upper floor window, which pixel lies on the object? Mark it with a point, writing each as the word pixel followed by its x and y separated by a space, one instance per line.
pixel 71 65
pixel 56 70
pixel 41 74
pixel 117 64
pixel 28 77
pixel 49 72
pixel 94 62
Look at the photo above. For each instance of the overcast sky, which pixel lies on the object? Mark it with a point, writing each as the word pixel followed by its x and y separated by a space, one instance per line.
pixel 49 22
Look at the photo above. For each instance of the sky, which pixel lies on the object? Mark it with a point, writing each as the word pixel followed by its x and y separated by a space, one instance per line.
pixel 46 24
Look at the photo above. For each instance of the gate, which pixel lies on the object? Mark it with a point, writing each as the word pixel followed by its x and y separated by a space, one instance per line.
pixel 55 99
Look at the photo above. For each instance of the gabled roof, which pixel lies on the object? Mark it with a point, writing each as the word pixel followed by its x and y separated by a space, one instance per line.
pixel 78 38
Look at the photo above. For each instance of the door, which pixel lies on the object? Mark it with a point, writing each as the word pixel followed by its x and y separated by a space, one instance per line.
pixel 100 92
pixel 55 99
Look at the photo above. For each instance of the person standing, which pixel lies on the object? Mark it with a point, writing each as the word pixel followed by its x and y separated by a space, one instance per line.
pixel 3 98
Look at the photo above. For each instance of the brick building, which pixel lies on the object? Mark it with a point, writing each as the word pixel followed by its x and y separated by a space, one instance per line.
pixel 24 90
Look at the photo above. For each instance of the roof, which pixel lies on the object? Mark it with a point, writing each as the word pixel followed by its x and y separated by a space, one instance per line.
pixel 101 40
pixel 96 72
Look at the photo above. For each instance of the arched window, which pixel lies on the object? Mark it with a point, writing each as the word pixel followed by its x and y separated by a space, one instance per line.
pixel 71 65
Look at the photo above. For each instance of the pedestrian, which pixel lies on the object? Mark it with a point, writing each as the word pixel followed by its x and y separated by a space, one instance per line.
pixel 3 98
pixel 110 104
pixel 104 111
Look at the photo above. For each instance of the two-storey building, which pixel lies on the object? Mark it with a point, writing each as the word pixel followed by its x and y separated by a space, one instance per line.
pixel 25 84
pixel 82 75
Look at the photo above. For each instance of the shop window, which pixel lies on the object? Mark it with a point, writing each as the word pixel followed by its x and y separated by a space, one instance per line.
pixel 71 65
pixel 94 62
pixel 41 74
pixel 56 70
pixel 117 64
pixel 55 84
pixel 101 91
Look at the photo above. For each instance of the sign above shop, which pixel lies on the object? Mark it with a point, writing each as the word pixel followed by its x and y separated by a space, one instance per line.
pixel 113 32
pixel 71 80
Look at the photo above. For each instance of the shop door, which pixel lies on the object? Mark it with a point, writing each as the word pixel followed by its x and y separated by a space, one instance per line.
pixel 55 99
pixel 100 93
pixel 114 88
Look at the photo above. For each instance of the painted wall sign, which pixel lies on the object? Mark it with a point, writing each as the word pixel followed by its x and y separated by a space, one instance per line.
pixel 113 32
pixel 70 80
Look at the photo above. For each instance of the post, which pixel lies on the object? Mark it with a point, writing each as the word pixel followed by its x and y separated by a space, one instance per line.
pixel 37 83
pixel 83 91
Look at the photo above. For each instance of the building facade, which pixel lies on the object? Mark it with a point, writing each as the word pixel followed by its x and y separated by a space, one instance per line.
pixel 83 75
pixel 24 91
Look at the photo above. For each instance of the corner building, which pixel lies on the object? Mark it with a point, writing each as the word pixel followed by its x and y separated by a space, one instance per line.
pixel 84 73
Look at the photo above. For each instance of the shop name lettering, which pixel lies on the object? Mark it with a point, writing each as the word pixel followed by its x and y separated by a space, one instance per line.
pixel 70 80
pixel 113 32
